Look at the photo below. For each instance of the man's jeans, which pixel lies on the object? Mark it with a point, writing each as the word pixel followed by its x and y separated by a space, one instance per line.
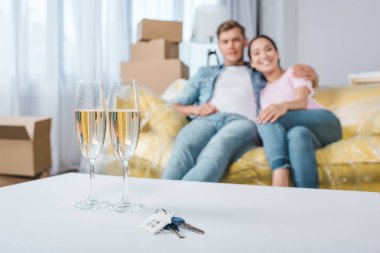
pixel 206 146
pixel 291 142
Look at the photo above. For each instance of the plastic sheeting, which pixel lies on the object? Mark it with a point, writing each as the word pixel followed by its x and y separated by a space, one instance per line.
pixel 160 123
pixel 350 164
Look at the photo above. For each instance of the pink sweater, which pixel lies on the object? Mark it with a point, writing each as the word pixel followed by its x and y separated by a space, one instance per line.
pixel 283 90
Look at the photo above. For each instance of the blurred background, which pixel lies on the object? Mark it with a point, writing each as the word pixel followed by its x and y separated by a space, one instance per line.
pixel 46 46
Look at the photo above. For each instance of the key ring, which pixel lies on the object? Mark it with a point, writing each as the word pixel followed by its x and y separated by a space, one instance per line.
pixel 161 210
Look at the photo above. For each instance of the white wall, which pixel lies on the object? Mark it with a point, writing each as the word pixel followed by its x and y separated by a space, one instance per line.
pixel 336 37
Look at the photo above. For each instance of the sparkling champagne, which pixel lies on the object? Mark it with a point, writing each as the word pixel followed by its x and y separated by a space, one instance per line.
pixel 124 127
pixel 91 130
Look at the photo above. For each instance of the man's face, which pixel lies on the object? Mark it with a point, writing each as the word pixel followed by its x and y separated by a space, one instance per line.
pixel 231 44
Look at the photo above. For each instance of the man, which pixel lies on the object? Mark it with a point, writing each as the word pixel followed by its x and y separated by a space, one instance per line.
pixel 222 102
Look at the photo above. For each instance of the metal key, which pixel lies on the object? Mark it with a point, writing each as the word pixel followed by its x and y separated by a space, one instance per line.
pixel 182 223
pixel 174 229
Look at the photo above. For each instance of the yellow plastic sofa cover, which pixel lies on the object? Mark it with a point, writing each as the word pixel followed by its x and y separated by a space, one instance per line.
pixel 351 164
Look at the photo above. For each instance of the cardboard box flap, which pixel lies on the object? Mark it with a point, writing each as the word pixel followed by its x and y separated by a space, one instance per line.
pixel 25 127
pixel 14 132
pixel 25 148
pixel 148 29
pixel 42 128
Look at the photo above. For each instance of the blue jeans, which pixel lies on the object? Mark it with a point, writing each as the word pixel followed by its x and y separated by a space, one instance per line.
pixel 291 142
pixel 206 146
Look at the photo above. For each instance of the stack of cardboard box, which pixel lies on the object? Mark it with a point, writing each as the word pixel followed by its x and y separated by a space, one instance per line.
pixel 154 59
pixel 25 152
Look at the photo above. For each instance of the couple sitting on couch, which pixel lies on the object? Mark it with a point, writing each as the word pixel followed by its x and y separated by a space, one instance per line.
pixel 231 105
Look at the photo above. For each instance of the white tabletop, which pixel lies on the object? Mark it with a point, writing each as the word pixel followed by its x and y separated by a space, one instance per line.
pixel 39 216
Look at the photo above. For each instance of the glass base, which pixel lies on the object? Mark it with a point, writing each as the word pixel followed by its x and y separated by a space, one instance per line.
pixel 92 204
pixel 126 207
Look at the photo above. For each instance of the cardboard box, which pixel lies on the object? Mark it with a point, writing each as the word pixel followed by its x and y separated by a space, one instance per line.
pixel 158 49
pixel 155 74
pixel 148 29
pixel 364 78
pixel 9 180
pixel 24 145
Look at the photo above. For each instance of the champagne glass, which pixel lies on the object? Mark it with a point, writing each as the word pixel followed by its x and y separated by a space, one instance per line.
pixel 124 127
pixel 90 122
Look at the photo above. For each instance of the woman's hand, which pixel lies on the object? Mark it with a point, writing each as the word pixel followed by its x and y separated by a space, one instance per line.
pixel 272 113
pixel 275 111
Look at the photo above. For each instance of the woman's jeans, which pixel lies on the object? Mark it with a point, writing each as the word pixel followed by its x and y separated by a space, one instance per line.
pixel 291 142
pixel 206 146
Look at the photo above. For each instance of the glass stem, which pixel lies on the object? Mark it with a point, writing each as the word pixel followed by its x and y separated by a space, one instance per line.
pixel 125 181
pixel 92 177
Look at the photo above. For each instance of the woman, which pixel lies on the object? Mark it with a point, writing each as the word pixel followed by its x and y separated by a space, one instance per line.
pixel 290 119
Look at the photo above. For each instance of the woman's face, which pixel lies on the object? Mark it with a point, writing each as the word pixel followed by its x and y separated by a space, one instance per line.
pixel 264 56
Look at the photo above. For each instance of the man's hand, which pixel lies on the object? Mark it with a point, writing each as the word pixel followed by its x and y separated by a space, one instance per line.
pixel 306 72
pixel 197 110
pixel 204 110
pixel 272 113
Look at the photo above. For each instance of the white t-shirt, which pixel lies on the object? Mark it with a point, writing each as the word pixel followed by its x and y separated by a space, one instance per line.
pixel 233 92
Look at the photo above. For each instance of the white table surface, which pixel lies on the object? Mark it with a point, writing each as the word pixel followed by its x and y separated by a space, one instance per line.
pixel 39 216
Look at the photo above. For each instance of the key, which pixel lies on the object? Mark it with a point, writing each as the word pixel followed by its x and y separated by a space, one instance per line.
pixel 182 223
pixel 174 229
pixel 156 222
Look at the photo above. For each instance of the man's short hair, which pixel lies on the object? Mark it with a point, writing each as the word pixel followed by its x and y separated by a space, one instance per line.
pixel 228 25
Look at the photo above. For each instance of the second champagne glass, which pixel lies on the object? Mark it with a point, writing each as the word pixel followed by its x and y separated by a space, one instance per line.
pixel 124 127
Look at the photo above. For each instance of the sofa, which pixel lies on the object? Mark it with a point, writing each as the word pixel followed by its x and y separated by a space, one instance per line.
pixel 350 164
